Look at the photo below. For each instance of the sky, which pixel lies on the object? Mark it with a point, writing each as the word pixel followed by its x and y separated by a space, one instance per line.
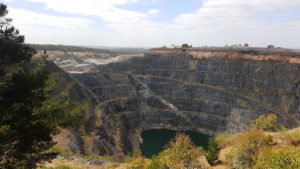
pixel 154 23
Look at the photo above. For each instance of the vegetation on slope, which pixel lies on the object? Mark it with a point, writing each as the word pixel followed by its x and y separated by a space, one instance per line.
pixel 29 112
pixel 26 123
pixel 260 148
pixel 254 148
pixel 267 123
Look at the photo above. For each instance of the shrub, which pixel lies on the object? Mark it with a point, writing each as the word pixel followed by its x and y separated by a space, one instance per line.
pixel 242 157
pixel 246 45
pixel 278 157
pixel 138 163
pixel 223 140
pixel 247 145
pixel 136 153
pixel 131 157
pixel 267 123
pixel 212 151
pixel 185 45
pixel 157 163
pixel 180 153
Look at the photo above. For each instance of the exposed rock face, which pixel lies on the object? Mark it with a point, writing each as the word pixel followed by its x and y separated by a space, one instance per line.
pixel 74 59
pixel 206 91
pixel 83 62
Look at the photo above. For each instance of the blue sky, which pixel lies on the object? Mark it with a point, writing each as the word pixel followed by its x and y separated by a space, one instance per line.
pixel 153 23
pixel 168 9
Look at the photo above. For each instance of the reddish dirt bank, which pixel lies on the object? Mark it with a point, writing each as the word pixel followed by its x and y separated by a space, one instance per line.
pixel 247 54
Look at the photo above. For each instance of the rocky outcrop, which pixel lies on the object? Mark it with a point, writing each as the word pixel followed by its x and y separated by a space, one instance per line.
pixel 210 91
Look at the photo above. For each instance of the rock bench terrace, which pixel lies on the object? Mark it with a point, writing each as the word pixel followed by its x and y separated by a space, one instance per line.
pixel 206 90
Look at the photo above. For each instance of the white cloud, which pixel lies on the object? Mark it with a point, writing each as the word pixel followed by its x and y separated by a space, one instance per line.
pixel 216 22
pixel 153 11
pixel 236 21
pixel 229 11
pixel 220 22
pixel 105 9
pixel 25 18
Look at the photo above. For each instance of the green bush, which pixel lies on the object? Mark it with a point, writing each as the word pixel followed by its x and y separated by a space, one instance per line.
pixel 180 153
pixel 131 157
pixel 246 147
pixel 242 157
pixel 212 151
pixel 138 163
pixel 223 140
pixel 278 158
pixel 267 123
pixel 157 163
pixel 136 153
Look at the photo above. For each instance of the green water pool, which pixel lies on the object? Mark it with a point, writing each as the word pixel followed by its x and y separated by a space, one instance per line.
pixel 154 140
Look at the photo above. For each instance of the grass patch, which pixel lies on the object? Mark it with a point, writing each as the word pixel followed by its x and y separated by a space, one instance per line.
pixel 287 157
pixel 294 137
pixel 59 167
pixel 98 158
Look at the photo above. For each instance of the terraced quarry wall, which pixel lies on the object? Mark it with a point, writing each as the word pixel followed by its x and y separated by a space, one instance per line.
pixel 255 54
pixel 206 91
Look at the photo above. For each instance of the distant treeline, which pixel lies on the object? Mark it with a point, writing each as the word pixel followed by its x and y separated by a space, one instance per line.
pixel 112 51
pixel 67 48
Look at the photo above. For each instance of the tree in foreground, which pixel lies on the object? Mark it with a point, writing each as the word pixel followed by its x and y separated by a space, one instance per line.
pixel 27 121
pixel 12 47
